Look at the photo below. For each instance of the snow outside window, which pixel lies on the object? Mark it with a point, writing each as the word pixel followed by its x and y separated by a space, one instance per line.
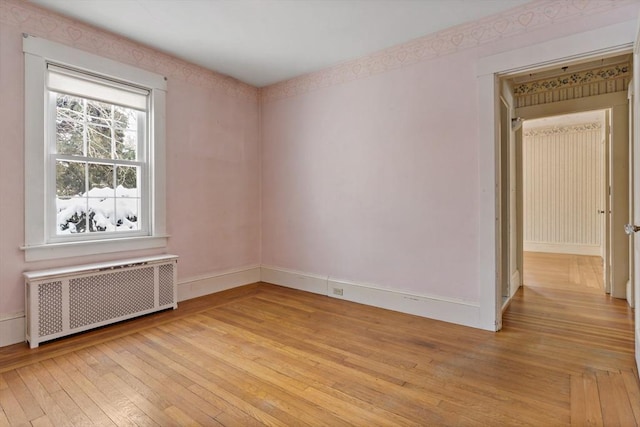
pixel 94 157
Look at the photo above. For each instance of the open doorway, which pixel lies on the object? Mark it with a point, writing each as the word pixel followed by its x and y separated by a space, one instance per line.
pixel 564 181
pixel 568 143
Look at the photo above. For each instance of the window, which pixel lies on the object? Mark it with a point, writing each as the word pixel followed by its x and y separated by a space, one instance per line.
pixel 94 154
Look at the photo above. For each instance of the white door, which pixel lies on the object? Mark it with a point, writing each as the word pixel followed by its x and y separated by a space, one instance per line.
pixel 636 190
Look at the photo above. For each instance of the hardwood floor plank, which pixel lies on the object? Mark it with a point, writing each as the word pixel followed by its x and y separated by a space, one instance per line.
pixel 84 363
pixel 91 390
pixel 4 421
pixel 10 405
pixel 23 395
pixel 261 395
pixel 578 402
pixel 179 417
pixel 616 408
pixel 42 399
pixel 270 377
pixel 43 421
pixel 175 370
pixel 70 409
pixel 75 392
pixel 594 401
pixel 632 386
pixel 156 377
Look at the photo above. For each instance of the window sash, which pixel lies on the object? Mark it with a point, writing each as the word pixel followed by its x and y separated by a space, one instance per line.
pixel 51 215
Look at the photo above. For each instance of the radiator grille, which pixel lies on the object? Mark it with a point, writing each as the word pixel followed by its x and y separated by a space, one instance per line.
pixel 68 300
pixel 50 308
pixel 166 284
pixel 108 296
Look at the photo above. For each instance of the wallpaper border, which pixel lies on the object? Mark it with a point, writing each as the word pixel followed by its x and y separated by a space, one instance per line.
pixel 574 79
pixel 557 130
pixel 534 15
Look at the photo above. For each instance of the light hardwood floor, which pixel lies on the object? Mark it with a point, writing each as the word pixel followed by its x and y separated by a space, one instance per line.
pixel 564 271
pixel 268 355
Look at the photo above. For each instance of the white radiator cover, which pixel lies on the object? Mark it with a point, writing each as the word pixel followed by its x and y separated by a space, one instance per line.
pixel 68 300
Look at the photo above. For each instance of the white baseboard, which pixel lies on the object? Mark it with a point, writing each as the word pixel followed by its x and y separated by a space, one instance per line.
pixel 294 279
pixel 11 329
pixel 445 309
pixel 205 285
pixel 448 310
pixel 562 248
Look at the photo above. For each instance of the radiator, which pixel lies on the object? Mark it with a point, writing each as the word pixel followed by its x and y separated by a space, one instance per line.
pixel 65 301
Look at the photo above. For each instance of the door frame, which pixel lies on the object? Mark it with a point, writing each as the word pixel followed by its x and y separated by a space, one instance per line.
pixel 606 41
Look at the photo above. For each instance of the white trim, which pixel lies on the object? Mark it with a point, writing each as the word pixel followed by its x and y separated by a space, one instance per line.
pixel 294 279
pixel 73 270
pixel 433 307
pixel 12 329
pixel 76 58
pixel 562 248
pixel 610 40
pixel 606 40
pixel 515 283
pixel 76 249
pixel 209 284
pixel 490 296
pixel 37 247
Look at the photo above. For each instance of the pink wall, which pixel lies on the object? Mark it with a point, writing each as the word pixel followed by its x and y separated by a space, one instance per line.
pixel 370 168
pixel 370 182
pixel 212 154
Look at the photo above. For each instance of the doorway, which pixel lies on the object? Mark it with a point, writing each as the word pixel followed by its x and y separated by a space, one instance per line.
pixel 607 41
pixel 559 104
pixel 564 177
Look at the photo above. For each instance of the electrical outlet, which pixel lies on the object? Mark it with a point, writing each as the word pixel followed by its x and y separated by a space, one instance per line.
pixel 338 291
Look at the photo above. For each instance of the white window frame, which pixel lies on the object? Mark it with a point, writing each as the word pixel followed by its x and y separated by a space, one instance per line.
pixel 38 242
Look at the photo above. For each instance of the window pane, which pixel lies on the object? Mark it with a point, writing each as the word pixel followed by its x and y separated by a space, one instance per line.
pixel 127 209
pixel 69 107
pixel 102 214
pixel 99 142
pixel 69 138
pixel 71 215
pixel 100 180
pixel 99 113
pixel 127 198
pixel 126 133
pixel 70 178
pixel 101 198
pixel 127 181
pixel 71 204
pixel 69 127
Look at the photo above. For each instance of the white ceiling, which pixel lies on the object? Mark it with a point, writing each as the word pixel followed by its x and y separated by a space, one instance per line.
pixel 261 42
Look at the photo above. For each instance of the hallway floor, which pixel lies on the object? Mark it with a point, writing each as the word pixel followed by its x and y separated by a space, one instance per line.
pixel 564 271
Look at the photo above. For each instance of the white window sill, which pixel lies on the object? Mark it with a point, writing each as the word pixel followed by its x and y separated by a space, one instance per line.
pixel 92 247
